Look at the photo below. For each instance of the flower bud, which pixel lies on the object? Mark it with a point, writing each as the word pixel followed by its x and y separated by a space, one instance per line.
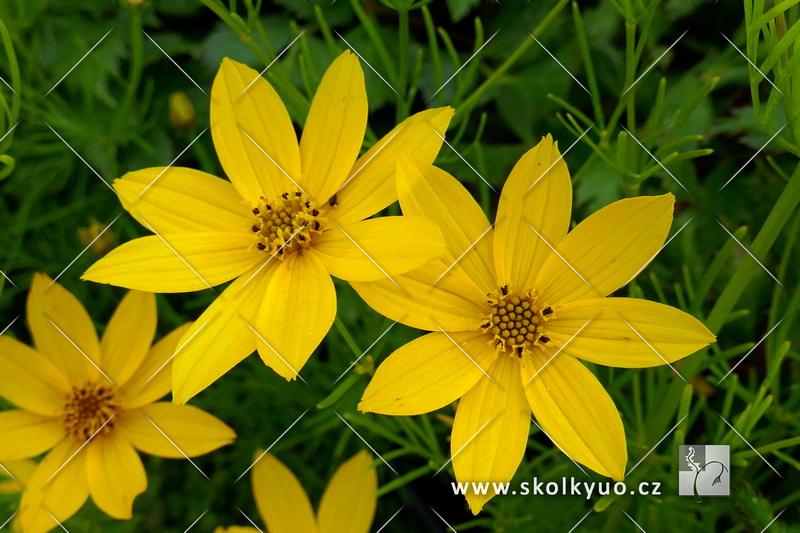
pixel 181 111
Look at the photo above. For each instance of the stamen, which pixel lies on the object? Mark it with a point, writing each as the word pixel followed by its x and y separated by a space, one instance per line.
pixel 516 322
pixel 88 408
pixel 286 227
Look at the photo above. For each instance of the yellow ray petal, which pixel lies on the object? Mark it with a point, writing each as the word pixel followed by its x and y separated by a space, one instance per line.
pixel 185 262
pixel 116 475
pixel 490 431
pixel 667 334
pixel 348 504
pixel 296 313
pixel 370 186
pixel 253 134
pixel 429 192
pixel 429 298
pixel 428 373
pixel 128 335
pixel 576 412
pixel 236 529
pixel 280 498
pixel 58 488
pixel 22 471
pixel 334 129
pixel 182 200
pixel 72 339
pixel 29 380
pixel 607 249
pixel 167 430
pixel 27 434
pixel 378 248
pixel 221 337
pixel 538 194
pixel 153 379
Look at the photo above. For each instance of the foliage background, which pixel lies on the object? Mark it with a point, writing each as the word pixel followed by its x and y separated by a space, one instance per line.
pixel 693 110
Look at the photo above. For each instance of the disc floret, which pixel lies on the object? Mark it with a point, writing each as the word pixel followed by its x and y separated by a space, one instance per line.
pixel 516 322
pixel 285 226
pixel 89 408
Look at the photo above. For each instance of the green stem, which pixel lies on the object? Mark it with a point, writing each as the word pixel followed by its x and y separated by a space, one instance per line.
pixel 405 52
pixel 473 99
pixel 348 339
pixel 630 73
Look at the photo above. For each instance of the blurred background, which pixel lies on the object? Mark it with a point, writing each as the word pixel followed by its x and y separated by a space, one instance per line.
pixel 698 98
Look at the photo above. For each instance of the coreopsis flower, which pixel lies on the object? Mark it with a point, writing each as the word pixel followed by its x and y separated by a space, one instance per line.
pixel 96 236
pixel 291 216
pixel 347 505
pixel 513 309
pixel 92 403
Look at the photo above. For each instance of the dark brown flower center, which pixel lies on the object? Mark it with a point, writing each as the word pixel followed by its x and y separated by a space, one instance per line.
pixel 283 227
pixel 516 321
pixel 89 408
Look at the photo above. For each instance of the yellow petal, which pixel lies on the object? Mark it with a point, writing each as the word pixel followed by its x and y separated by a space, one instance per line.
pixel 348 504
pixel 253 134
pixel 128 335
pixel 576 412
pixel 428 373
pixel 334 129
pixel 221 337
pixel 236 529
pixel 537 194
pixel 153 379
pixel 607 249
pixel 654 335
pixel 490 431
pixel 378 248
pixel 429 298
pixel 57 489
pixel 182 200
pixel 176 431
pixel 295 315
pixel 27 434
pixel 181 262
pixel 22 471
pixel 370 186
pixel 29 380
pixel 116 475
pixel 429 192
pixel 11 487
pixel 280 498
pixel 62 329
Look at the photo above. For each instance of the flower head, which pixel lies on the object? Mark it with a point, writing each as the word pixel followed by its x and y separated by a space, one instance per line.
pixel 291 216
pixel 92 402
pixel 514 306
pixel 347 506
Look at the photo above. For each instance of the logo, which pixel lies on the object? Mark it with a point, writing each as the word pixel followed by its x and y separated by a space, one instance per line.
pixel 704 471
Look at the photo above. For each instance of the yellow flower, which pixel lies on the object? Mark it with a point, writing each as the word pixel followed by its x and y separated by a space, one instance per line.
pixel 291 217
pixel 513 316
pixel 347 506
pixel 96 236
pixel 92 403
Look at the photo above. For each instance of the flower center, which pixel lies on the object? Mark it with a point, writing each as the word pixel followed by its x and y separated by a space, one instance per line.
pixel 516 321
pixel 89 407
pixel 286 226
